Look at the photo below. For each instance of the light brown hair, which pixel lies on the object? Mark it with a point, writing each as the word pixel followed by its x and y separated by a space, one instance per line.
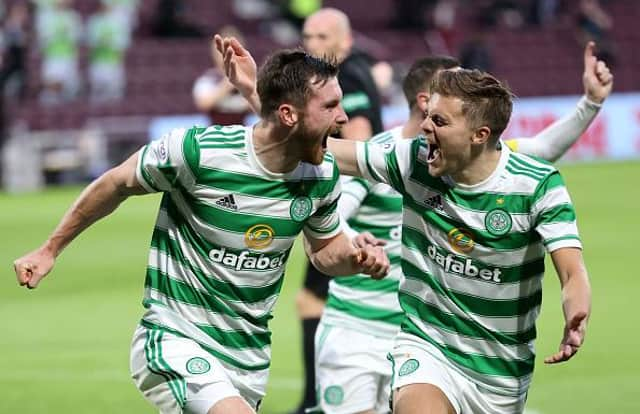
pixel 485 100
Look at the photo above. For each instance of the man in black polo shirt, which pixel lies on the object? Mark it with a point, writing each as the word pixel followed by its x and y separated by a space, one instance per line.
pixel 328 33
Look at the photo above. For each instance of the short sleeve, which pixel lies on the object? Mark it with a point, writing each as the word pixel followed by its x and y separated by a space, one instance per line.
pixel 169 162
pixel 389 162
pixel 325 222
pixel 354 191
pixel 553 214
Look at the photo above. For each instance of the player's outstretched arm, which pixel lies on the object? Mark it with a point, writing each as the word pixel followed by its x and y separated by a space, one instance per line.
pixel 555 140
pixel 98 200
pixel 240 68
pixel 576 301
pixel 345 153
pixel 341 256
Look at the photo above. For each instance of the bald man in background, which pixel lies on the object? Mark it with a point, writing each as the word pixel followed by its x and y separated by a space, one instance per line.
pixel 327 33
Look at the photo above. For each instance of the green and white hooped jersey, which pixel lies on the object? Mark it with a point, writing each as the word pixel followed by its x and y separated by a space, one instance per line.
pixel 473 257
pixel 359 302
pixel 223 235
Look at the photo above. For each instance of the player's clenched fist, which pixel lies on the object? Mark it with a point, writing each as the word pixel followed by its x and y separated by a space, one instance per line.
pixel 597 77
pixel 371 257
pixel 32 267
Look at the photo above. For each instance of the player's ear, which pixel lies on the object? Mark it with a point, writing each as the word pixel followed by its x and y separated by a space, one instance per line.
pixel 481 135
pixel 422 100
pixel 288 115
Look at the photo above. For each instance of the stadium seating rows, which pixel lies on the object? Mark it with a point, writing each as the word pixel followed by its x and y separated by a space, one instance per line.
pixel 160 72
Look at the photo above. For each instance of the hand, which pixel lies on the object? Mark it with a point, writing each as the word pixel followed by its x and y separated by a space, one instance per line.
pixel 239 66
pixel 365 238
pixel 32 267
pixel 372 261
pixel 574 331
pixel 597 78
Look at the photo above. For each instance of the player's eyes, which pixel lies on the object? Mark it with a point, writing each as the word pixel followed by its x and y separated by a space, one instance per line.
pixel 438 121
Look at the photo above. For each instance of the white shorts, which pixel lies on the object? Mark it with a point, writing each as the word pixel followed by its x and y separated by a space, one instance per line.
pixel 353 373
pixel 418 362
pixel 178 376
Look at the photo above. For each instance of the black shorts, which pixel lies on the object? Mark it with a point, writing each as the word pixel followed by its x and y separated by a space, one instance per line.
pixel 317 282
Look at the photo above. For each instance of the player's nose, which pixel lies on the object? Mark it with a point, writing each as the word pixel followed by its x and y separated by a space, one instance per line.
pixel 342 117
pixel 427 126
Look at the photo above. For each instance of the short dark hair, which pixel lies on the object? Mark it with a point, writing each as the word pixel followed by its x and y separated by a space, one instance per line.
pixel 485 100
pixel 286 77
pixel 421 73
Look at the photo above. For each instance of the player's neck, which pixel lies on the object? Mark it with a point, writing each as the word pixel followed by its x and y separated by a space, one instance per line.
pixel 272 146
pixel 480 167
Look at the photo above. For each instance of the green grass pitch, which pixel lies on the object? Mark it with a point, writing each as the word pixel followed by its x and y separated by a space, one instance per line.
pixel 64 347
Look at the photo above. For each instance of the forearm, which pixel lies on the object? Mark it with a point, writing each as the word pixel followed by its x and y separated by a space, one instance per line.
pixel 344 152
pixel 576 294
pixel 334 259
pixel 555 140
pixel 252 99
pixel 98 200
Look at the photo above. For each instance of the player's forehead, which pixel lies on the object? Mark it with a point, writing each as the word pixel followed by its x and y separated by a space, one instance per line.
pixel 325 92
pixel 449 106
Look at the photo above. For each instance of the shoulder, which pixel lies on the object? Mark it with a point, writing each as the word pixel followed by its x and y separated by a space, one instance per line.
pixel 529 174
pixel 384 137
pixel 530 163
pixel 219 131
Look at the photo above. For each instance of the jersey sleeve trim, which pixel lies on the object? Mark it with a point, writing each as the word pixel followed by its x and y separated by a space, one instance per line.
pixel 142 175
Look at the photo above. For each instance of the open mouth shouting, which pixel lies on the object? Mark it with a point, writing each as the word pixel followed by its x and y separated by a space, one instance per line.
pixel 434 152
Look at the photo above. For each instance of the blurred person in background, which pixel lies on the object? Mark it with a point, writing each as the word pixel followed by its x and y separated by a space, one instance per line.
pixel 59 30
pixel 127 10
pixel 14 36
pixel 594 24
pixel 544 12
pixel 441 38
pixel 502 13
pixel 108 37
pixel 410 14
pixel 170 20
pixel 212 91
pixel 593 20
pixel 475 53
